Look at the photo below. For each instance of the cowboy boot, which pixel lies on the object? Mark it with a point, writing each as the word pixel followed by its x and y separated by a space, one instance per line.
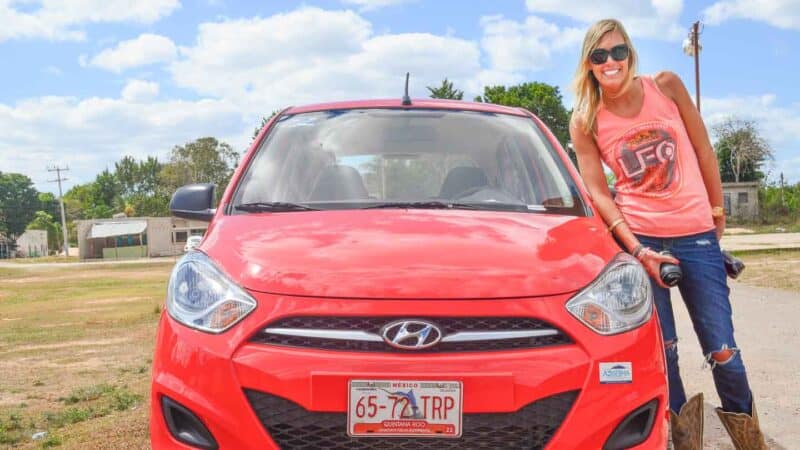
pixel 687 425
pixel 743 429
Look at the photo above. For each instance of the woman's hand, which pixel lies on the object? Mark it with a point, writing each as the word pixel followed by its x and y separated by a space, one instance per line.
pixel 652 260
pixel 719 222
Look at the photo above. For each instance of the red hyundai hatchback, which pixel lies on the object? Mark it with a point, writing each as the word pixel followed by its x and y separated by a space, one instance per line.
pixel 385 275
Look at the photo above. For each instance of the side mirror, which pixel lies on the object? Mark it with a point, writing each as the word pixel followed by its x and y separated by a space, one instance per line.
pixel 193 201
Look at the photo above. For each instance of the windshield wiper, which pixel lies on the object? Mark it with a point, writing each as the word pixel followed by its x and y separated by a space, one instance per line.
pixel 273 207
pixel 424 205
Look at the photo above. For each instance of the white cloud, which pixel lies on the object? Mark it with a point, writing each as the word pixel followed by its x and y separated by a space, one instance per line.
pixel 246 68
pixel 312 55
pixel 778 124
pixel 779 13
pixel 145 49
pixel 523 46
pixel 93 133
pixel 370 5
pixel 139 90
pixel 53 70
pixel 655 19
pixel 62 20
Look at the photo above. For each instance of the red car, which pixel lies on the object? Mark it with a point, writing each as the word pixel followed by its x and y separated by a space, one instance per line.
pixel 386 275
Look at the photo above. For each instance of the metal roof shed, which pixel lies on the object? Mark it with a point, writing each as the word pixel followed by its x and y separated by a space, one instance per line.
pixel 105 230
pixel 111 229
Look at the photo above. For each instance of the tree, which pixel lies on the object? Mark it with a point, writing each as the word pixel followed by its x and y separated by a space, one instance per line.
pixel 740 150
pixel 142 192
pixel 205 160
pixel 49 204
pixel 95 200
pixel 539 98
pixel 264 121
pixel 19 202
pixel 446 91
pixel 42 220
pixel 106 189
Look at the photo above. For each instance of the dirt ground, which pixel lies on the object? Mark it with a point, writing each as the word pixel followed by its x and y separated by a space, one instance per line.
pixel 768 339
pixel 76 344
pixel 76 347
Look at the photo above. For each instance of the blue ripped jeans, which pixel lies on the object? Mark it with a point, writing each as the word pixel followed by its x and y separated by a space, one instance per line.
pixel 704 289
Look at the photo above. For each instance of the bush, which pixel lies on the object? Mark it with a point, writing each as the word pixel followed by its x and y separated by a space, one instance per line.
pixel 779 204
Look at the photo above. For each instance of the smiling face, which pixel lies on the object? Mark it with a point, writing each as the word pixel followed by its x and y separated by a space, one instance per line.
pixel 612 75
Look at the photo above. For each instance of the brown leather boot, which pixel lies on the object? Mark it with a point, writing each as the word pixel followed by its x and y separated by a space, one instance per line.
pixel 743 429
pixel 687 425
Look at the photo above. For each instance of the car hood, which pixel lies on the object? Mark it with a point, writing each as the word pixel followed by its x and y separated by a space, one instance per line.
pixel 404 254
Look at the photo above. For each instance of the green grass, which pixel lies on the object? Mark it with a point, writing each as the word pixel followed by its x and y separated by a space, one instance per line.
pixel 778 269
pixel 51 441
pixel 76 343
pixel 45 259
pixel 758 228
pixel 87 394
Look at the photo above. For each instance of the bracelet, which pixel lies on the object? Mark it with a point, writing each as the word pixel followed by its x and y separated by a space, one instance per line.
pixel 615 223
pixel 717 212
pixel 640 251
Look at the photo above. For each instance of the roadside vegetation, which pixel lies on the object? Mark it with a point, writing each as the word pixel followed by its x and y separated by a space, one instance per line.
pixel 777 269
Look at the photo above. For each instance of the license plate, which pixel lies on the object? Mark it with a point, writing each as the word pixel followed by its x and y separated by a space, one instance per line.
pixel 404 408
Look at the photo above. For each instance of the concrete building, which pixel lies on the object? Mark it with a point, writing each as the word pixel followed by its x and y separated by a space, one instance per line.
pixel 135 237
pixel 5 247
pixel 741 200
pixel 32 244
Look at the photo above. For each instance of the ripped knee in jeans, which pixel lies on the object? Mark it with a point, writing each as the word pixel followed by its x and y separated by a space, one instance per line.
pixel 722 356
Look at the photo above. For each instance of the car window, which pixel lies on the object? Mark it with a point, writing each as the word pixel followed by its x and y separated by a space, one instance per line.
pixel 362 157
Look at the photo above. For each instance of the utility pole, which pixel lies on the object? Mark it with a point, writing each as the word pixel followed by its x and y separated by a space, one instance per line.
pixel 58 179
pixel 692 47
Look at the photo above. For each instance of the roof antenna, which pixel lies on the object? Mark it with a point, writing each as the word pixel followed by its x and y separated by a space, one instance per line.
pixel 406 98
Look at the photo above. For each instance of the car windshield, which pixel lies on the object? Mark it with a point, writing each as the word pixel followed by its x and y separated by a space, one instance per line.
pixel 385 158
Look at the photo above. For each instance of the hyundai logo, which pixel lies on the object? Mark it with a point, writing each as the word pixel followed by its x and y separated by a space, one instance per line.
pixel 411 334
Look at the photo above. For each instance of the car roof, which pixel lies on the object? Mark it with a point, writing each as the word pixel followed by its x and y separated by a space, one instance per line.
pixel 427 103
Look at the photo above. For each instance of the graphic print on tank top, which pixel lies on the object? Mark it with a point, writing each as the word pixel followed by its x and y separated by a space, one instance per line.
pixel 648 160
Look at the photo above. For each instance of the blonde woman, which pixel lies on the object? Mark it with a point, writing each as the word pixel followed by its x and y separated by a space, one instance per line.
pixel 669 198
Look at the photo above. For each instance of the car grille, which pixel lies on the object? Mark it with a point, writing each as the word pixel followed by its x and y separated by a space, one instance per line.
pixel 294 428
pixel 448 326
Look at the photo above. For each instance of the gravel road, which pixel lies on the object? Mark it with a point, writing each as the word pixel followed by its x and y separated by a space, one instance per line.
pixel 769 339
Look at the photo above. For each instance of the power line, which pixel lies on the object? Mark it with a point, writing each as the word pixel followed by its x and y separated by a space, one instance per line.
pixel 59 179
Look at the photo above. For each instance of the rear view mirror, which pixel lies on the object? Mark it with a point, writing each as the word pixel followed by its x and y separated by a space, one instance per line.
pixel 193 201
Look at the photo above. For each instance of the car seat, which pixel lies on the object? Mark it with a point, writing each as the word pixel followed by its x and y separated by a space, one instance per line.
pixel 339 183
pixel 460 179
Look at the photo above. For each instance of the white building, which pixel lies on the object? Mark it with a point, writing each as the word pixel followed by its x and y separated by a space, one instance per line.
pixel 32 243
pixel 135 237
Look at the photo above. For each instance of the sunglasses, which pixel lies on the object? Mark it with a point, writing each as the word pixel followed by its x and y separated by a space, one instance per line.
pixel 618 52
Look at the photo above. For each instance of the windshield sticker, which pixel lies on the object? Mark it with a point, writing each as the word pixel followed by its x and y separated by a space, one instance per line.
pixel 616 372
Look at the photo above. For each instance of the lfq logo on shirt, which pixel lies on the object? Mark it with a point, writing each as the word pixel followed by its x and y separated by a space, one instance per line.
pixel 648 160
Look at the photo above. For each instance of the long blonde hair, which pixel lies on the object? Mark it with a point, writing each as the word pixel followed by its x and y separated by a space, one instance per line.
pixel 586 87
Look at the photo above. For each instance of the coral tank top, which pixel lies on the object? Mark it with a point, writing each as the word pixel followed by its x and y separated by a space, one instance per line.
pixel 660 189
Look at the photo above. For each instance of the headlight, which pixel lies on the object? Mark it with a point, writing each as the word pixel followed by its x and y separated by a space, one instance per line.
pixel 202 297
pixel 620 299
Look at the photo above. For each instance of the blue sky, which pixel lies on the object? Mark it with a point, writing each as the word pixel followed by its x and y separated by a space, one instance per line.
pixel 86 82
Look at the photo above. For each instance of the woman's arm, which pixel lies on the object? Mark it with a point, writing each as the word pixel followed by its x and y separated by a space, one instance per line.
pixel 672 86
pixel 591 170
